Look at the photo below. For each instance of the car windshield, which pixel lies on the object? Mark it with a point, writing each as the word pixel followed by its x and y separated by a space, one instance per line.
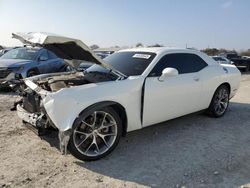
pixel 128 63
pixel 20 53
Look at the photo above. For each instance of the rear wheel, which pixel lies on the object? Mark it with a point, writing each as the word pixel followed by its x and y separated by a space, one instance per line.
pixel 220 101
pixel 95 134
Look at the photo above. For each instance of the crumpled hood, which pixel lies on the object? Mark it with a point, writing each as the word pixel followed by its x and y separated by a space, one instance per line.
pixel 63 47
pixel 13 62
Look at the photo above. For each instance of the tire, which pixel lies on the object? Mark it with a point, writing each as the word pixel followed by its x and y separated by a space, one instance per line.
pixel 220 102
pixel 95 134
pixel 247 68
pixel 32 72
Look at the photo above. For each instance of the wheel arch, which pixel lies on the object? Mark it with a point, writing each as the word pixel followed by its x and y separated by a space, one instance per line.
pixel 227 85
pixel 209 110
pixel 32 69
pixel 116 106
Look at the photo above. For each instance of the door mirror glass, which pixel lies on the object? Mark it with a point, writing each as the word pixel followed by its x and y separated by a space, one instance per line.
pixel 43 58
pixel 168 72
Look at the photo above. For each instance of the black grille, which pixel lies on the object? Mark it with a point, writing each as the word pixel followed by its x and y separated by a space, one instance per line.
pixel 4 72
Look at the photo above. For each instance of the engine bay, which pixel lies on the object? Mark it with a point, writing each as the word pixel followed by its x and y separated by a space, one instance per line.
pixel 65 80
pixel 55 83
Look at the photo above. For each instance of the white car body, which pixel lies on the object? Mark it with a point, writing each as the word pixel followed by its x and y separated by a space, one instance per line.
pixel 185 93
pixel 146 100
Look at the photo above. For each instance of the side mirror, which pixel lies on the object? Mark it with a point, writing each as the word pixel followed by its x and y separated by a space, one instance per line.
pixel 168 72
pixel 42 58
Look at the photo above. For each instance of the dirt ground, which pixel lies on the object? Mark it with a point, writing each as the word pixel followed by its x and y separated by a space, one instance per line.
pixel 192 151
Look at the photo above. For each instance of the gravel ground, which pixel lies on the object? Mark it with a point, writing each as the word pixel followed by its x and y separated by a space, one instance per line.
pixel 192 151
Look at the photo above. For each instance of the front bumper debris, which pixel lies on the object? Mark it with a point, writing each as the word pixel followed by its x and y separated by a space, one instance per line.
pixel 33 120
pixel 64 137
pixel 30 118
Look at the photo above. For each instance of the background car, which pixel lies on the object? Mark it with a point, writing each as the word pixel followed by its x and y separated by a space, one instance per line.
pixel 4 50
pixel 24 62
pixel 102 55
pixel 246 57
pixel 222 60
pixel 105 52
pixel 239 62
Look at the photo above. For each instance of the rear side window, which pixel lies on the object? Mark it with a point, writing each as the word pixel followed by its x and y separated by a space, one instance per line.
pixel 52 55
pixel 183 62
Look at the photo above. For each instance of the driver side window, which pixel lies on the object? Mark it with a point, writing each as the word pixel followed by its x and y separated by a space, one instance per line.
pixel 44 56
pixel 183 62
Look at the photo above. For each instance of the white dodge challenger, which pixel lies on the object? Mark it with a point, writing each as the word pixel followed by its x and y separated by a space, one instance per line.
pixel 128 90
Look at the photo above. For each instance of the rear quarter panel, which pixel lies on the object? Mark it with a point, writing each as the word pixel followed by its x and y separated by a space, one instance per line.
pixel 215 75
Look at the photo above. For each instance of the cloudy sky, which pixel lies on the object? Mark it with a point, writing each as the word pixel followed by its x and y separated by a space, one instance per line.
pixel 200 24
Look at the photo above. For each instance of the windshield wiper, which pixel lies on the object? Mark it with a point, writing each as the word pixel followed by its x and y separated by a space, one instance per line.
pixel 113 70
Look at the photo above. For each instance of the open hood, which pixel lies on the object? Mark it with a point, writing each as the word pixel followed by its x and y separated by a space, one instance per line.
pixel 63 47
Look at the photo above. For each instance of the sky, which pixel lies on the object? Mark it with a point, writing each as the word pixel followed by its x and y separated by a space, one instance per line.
pixel 195 23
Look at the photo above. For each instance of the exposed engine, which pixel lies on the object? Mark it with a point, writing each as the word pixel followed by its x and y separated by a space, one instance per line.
pixel 57 82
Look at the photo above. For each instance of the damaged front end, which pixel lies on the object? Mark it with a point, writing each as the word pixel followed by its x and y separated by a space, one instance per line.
pixel 43 99
pixel 39 90
pixel 45 105
pixel 39 122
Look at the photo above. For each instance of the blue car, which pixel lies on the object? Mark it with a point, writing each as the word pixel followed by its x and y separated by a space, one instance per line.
pixel 5 50
pixel 25 62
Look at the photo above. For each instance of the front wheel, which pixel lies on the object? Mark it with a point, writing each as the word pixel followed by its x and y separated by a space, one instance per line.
pixel 220 101
pixel 95 134
pixel 31 73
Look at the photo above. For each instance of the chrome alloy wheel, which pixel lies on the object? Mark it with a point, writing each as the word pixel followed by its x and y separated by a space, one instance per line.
pixel 95 134
pixel 221 101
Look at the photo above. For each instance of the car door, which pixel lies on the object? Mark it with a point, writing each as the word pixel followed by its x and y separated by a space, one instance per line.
pixel 175 96
pixel 43 62
pixel 55 63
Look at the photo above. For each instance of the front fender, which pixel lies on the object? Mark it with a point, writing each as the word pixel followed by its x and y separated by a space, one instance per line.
pixel 62 112
pixel 26 67
pixel 64 106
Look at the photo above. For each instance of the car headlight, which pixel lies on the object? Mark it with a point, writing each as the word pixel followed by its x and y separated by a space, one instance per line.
pixel 20 68
pixel 17 68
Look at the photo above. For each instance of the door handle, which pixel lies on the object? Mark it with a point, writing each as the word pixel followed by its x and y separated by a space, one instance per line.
pixel 196 79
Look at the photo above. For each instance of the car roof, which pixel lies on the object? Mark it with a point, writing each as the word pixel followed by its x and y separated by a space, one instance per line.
pixel 28 47
pixel 162 50
pixel 157 49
